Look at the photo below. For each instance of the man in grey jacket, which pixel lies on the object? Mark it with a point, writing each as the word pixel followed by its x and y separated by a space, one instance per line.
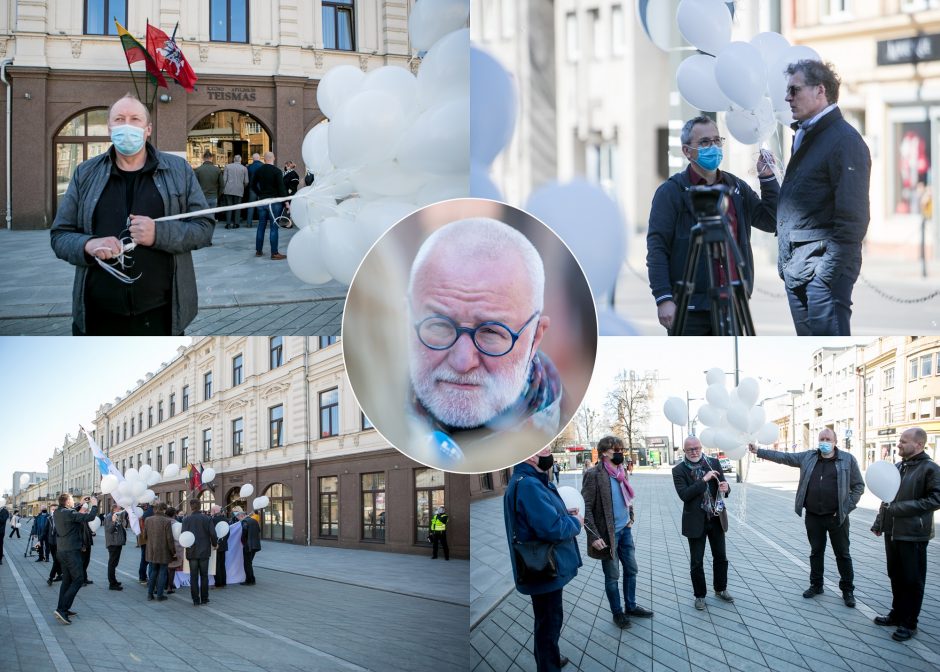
pixel 830 487
pixel 112 201
pixel 115 536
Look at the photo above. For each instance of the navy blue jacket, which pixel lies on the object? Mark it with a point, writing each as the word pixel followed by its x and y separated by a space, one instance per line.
pixel 824 207
pixel 672 219
pixel 541 514
pixel 39 525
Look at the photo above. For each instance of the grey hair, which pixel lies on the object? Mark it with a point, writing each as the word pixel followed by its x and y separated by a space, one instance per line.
pixel 237 158
pixel 486 238
pixel 686 135
pixel 816 73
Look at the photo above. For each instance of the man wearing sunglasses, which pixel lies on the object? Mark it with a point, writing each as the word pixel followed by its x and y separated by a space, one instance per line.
pixel 476 290
pixel 824 208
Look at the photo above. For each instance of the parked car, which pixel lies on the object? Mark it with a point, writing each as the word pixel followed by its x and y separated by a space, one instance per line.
pixel 727 465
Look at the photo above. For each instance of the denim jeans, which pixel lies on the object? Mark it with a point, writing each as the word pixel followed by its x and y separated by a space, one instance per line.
pixel 156 579
pixel 624 554
pixel 265 218
pixel 819 309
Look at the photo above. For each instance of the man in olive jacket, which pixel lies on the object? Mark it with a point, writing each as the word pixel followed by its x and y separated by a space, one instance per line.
pixel 830 486
pixel 161 549
pixel 199 553
pixel 69 524
pixel 907 525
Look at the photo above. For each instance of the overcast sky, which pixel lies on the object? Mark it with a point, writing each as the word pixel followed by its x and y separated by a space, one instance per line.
pixel 53 384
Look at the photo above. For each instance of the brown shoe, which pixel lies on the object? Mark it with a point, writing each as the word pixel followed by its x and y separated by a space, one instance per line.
pixel 259 254
pixel 277 257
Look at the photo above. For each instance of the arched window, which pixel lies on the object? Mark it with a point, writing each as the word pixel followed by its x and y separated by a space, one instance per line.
pixel 206 499
pixel 233 499
pixel 278 518
pixel 83 137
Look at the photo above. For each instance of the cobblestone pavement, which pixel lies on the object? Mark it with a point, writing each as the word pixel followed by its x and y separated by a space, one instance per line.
pixel 770 626
pixel 238 292
pixel 313 609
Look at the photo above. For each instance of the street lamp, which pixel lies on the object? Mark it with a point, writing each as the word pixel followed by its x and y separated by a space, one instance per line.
pixel 793 394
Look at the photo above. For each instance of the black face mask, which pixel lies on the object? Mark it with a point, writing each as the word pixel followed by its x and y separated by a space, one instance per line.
pixel 546 462
pixel 617 458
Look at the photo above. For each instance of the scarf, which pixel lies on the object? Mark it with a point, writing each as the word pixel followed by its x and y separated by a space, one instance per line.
pixel 620 474
pixel 709 503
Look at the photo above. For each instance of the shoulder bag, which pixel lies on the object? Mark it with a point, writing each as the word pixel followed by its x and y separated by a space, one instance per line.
pixel 535 559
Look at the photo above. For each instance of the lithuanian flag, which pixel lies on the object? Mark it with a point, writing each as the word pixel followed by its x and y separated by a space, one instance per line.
pixel 134 51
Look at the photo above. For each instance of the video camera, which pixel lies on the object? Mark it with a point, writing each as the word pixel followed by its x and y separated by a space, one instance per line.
pixel 709 201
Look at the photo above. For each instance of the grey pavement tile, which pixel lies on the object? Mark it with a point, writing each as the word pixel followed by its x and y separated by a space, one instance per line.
pixel 635 663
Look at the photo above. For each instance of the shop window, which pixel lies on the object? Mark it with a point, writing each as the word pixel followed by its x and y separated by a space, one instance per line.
pixel 913 163
pixel 278 518
pixel 100 16
pixel 338 25
pixel 329 506
pixel 373 507
pixel 83 137
pixel 429 494
pixel 228 20
pixel 206 500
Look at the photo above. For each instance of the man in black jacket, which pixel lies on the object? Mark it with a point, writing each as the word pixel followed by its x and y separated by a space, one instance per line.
pixel 115 536
pixel 221 548
pixel 824 206
pixel 39 531
pixel 198 554
pixel 672 218
pixel 69 524
pixel 251 544
pixel 700 484
pixel 907 524
pixel 4 516
pixel 52 541
pixel 268 182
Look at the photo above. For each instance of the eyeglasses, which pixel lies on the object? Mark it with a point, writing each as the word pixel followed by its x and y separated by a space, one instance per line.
pixel 693 450
pixel 793 90
pixel 439 332
pixel 710 142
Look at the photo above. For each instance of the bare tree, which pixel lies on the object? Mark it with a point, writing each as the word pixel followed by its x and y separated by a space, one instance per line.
pixel 628 405
pixel 586 422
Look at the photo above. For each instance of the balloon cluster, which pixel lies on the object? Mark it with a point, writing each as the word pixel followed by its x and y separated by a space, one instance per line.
pixel 393 143
pixel 731 419
pixel 744 79
pixel 135 487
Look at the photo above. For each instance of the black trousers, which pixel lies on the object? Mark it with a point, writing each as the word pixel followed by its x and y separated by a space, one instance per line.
pixel 199 580
pixel 43 550
pixel 907 569
pixel 548 610
pixel 439 538
pixel 73 575
pixel 249 569
pixel 142 573
pixel 817 527
pixel 220 562
pixel 56 565
pixel 156 322
pixel 716 540
pixel 16 531
pixel 86 559
pixel 114 557
pixel 2 537
pixel 697 323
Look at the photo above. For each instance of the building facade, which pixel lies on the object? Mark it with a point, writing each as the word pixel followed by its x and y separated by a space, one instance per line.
pixel 258 65
pixel 72 469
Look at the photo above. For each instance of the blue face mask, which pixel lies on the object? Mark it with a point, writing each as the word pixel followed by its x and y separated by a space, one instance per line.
pixel 709 157
pixel 825 447
pixel 127 139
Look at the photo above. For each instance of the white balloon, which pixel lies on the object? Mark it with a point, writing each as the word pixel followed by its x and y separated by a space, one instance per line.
pixel 705 23
pixel 125 501
pixel 187 539
pixel 581 214
pixel 438 141
pixel 726 440
pixel 177 529
pixel 138 488
pixel 109 484
pixel 94 524
pixel 341 247
pixel 24 480
pixel 493 107
pixel 310 206
pixel 387 178
pixel 736 452
pixel 394 80
pixel 738 416
pixel 443 188
pixel 376 217
pixel 676 411
pixel 756 418
pixel 260 503
pixel 445 71
pixel 883 479
pixel 717 396
pixel 305 259
pixel 124 488
pixel 367 129
pixel 715 376
pixel 131 474
pixel 771 47
pixel 147 497
pixel 246 490
pixel 768 433
pixel 315 149
pixel 221 529
pixel 784 117
pixel 695 78
pixel 172 470
pixel 338 85
pixel 748 390
pixel 154 478
pixel 431 21
pixel 750 128
pixel 482 185
pixel 139 512
pixel 740 74
pixel 572 498
pixel 710 416
pixel 707 437
pixel 145 471
pixel 208 475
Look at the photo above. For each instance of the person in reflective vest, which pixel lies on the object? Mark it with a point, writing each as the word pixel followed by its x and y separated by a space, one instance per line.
pixel 438 533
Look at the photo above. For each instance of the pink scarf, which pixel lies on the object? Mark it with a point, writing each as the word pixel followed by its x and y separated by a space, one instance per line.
pixel 620 474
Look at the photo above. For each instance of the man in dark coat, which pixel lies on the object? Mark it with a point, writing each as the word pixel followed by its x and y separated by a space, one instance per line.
pixel 907 525
pixel 251 544
pixel 39 531
pixel 221 548
pixel 69 524
pixel 824 206
pixel 700 484
pixel 4 517
pixel 268 182
pixel 87 542
pixel 198 554
pixel 534 511
pixel 115 536
pixel 672 218
pixel 142 544
pixel 161 549
pixel 52 541
pixel 608 519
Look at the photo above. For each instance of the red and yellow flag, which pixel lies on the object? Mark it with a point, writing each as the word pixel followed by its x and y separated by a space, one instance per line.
pixel 134 51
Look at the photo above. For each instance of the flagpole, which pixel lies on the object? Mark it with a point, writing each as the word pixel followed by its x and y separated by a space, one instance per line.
pixel 147 82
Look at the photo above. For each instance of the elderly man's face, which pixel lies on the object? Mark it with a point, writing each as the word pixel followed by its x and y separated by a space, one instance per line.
pixel 132 113
pixel 461 386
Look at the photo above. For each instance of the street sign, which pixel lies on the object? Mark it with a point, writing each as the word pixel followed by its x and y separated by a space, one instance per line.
pixel 912 49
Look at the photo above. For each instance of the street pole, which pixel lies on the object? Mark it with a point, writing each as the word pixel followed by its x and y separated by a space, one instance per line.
pixel 739 477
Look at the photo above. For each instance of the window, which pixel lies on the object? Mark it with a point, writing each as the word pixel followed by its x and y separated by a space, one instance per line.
pixel 277 351
pixel 276 424
pixel 338 25
pixel 429 494
pixel 329 413
pixel 886 415
pixel 601 164
pixel 329 506
pixel 172 404
pixel 277 520
pixel 238 433
pixel 913 375
pixel 140 421
pixel 616 30
pixel 140 461
pixel 160 411
pixel 597 34
pixel 149 456
pixel 889 378
pixel 125 430
pixel 132 426
pixel 571 37
pixel 228 20
pixel 926 366
pixel 912 410
pixel 373 506
pixel 925 408
pixel 327 341
pixel 936 407
pixel 206 445
pixel 207 385
pixel 366 423
pixel 111 441
pixel 150 417
pixel 185 397
pixel 170 453
pixel 184 451
pixel 237 369
pixel 100 15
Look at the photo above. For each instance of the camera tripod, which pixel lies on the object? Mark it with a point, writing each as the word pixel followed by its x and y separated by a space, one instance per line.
pixel 728 304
